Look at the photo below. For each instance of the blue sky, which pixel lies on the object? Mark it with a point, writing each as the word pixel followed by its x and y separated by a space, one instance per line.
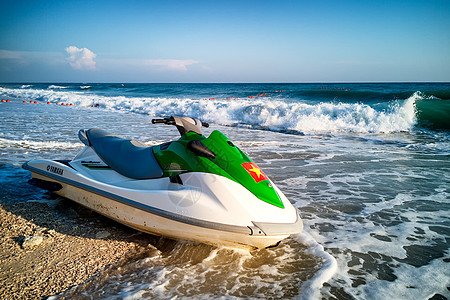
pixel 224 41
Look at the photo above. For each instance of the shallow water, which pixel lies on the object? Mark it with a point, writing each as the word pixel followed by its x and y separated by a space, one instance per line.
pixel 377 202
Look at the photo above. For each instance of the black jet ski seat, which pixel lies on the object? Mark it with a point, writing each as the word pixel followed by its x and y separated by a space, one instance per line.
pixel 130 158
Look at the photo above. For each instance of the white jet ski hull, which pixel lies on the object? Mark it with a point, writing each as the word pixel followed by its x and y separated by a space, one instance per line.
pixel 205 208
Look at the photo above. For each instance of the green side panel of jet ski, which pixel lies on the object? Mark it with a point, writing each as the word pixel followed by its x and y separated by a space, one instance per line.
pixel 228 161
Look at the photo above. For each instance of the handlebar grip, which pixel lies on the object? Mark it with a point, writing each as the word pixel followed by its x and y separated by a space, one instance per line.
pixel 155 121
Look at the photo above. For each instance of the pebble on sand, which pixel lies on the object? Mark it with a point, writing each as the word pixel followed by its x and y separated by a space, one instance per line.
pixel 102 234
pixel 31 241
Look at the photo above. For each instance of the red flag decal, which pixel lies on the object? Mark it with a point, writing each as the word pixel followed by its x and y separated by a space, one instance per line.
pixel 255 171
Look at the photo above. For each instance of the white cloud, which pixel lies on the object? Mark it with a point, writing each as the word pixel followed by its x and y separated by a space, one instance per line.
pixel 172 64
pixel 5 54
pixel 28 58
pixel 81 58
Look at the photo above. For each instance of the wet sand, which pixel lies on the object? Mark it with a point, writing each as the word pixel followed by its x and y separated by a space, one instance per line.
pixel 43 253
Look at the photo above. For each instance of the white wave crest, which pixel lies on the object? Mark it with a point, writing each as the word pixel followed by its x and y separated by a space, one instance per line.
pixel 50 87
pixel 279 115
pixel 268 114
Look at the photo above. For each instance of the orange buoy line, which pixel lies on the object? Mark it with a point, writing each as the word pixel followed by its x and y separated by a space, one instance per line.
pixel 35 102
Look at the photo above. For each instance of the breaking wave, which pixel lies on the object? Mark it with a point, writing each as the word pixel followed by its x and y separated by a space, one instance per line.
pixel 433 113
pixel 269 113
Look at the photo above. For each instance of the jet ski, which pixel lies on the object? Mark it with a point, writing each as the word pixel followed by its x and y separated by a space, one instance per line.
pixel 197 188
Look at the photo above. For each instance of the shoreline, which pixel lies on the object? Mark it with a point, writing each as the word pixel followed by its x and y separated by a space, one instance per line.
pixel 43 254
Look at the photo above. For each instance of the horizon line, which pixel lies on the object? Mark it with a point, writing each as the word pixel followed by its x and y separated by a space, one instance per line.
pixel 235 82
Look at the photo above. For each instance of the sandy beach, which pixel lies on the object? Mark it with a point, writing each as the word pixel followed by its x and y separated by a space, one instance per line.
pixel 43 254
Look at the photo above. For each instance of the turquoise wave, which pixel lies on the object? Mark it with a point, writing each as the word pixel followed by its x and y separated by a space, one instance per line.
pixel 433 113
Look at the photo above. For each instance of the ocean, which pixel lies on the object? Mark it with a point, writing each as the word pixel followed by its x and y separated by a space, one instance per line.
pixel 367 165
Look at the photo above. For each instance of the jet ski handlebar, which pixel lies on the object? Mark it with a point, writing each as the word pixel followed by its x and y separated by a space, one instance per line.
pixel 171 121
pixel 164 121
pixel 183 124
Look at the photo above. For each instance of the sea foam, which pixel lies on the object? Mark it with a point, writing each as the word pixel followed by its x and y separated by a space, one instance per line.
pixel 311 288
pixel 36 145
